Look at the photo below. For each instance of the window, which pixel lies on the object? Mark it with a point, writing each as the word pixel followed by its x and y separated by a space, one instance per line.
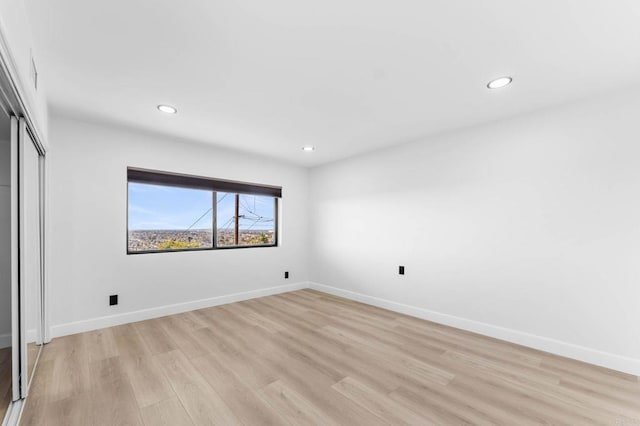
pixel 168 218
pixel 255 224
pixel 171 212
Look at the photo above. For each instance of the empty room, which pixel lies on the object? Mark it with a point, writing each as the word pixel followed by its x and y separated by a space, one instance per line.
pixel 244 212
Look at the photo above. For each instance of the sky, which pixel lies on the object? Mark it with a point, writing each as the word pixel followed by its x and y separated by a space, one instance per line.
pixel 165 207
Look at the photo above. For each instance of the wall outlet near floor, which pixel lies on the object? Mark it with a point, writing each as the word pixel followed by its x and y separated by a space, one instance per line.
pixel 113 299
pixel 286 275
pixel 401 270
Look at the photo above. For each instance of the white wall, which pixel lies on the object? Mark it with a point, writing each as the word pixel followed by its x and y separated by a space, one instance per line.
pixel 15 29
pixel 526 229
pixel 88 258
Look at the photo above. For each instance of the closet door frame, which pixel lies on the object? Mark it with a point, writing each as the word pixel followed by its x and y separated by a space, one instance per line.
pixel 20 136
pixel 16 352
pixel 26 141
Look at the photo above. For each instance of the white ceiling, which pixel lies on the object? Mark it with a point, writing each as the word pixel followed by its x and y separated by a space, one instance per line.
pixel 346 76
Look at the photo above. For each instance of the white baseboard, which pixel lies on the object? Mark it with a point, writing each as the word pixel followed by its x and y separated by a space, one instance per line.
pixel 5 340
pixel 145 314
pixel 557 347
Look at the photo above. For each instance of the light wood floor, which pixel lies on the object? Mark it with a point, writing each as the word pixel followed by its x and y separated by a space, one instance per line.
pixel 32 357
pixel 310 358
pixel 5 380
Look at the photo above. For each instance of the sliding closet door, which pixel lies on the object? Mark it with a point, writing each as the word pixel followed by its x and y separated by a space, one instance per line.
pixel 30 254
pixel 15 277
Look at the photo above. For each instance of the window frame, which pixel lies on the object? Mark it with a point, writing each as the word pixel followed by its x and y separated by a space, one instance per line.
pixel 182 181
pixel 275 228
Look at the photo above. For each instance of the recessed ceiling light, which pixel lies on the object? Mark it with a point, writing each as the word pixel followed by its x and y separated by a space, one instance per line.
pixel 308 148
pixel 167 109
pixel 499 82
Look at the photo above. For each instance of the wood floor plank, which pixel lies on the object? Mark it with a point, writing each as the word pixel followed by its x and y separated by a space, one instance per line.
pixel 5 380
pixel 201 402
pixel 147 380
pixel 154 336
pixel 37 411
pixel 311 382
pixel 111 397
pixel 191 321
pixel 166 413
pixel 241 399
pixel 179 329
pixel 256 319
pixel 378 404
pixel 100 344
pixel 341 361
pixel 70 374
pixel 129 341
pixel 292 406
pixel 306 357
pixel 73 411
pixel 447 341
pixel 523 406
pixel 439 343
pixel 440 410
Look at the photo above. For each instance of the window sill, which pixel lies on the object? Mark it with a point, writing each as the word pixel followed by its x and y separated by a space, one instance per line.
pixel 200 249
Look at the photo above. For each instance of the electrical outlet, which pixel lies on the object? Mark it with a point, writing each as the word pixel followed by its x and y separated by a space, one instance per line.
pixel 401 270
pixel 113 299
pixel 286 275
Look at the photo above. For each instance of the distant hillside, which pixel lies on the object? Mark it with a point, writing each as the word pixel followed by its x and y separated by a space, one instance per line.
pixel 168 239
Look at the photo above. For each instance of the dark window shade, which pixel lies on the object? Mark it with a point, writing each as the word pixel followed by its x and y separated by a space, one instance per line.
pixel 197 182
